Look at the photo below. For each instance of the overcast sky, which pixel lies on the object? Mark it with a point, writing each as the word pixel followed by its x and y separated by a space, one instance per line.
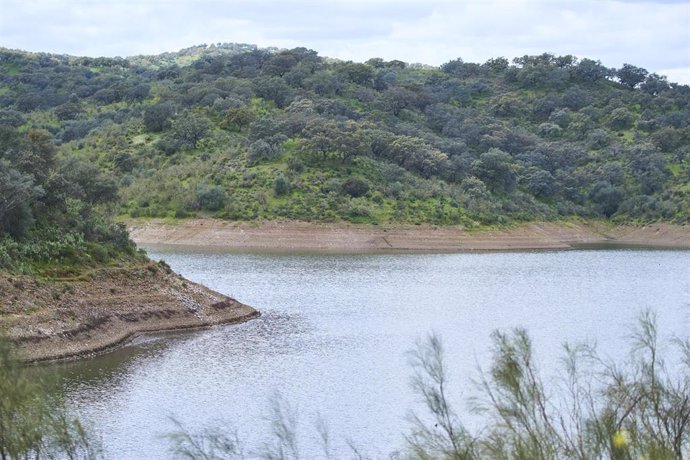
pixel 653 34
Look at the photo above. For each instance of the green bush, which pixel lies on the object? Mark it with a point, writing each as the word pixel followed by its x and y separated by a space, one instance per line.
pixel 355 187
pixel 281 185
pixel 211 197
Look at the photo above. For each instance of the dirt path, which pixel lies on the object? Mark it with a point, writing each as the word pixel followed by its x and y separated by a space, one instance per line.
pixel 295 236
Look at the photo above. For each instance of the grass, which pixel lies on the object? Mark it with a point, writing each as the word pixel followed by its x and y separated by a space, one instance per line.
pixel 140 139
pixel 13 69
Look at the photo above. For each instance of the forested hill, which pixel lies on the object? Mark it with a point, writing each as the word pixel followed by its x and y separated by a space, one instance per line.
pixel 243 133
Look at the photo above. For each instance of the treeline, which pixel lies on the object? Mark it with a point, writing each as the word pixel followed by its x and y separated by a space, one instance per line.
pixel 245 133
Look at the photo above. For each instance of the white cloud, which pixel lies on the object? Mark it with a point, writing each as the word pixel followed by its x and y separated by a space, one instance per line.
pixel 654 35
pixel 679 75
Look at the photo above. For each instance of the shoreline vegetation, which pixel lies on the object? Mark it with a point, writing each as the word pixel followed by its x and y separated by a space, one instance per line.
pixel 586 407
pixel 66 319
pixel 282 236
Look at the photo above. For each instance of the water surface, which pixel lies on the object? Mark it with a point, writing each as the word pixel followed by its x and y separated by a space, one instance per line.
pixel 334 332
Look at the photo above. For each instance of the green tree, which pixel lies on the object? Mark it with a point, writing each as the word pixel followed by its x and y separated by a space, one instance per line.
pixel 631 76
pixel 655 84
pixel 324 83
pixel 396 99
pixel 237 118
pixel 355 187
pixel 273 89
pixel 157 117
pixel 647 166
pixel 68 111
pixel 607 197
pixel 281 185
pixel 211 197
pixel 189 129
pixel 266 149
pixel 320 135
pixel 499 64
pixel 361 74
pixel 621 118
pixel 350 141
pixel 590 71
pixel 414 154
pixel 87 182
pixel 497 170
pixel 278 64
pixel 538 182
pixel 18 192
pixel 508 105
pixel 36 155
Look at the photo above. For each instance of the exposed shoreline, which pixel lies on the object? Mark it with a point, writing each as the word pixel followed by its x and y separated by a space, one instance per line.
pixel 341 237
pixel 58 320
pixel 64 319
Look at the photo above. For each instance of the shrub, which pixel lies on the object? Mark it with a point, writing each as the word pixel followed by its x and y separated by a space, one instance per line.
pixel 593 409
pixel 281 185
pixel 355 187
pixel 211 197
pixel 295 164
pixel 621 118
pixel 266 149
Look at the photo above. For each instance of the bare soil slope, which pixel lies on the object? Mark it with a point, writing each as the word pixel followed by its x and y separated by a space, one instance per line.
pixel 292 235
pixel 50 319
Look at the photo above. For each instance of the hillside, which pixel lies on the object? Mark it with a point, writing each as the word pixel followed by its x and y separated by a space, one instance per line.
pixel 249 135
pixel 71 280
pixel 241 133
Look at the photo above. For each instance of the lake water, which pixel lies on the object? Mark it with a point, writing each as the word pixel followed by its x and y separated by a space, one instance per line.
pixel 335 329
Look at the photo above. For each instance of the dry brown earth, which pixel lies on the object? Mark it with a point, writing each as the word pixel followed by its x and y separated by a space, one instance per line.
pixel 296 236
pixel 52 319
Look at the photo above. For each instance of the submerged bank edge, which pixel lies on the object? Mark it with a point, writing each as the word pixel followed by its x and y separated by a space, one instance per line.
pixel 111 346
pixel 124 339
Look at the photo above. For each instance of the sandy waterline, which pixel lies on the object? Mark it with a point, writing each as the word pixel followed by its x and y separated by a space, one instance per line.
pixel 296 236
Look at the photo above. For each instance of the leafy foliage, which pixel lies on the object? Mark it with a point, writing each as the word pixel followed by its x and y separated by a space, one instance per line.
pixel 464 143
pixel 593 409
pixel 54 211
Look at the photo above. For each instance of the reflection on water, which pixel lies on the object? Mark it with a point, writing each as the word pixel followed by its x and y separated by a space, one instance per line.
pixel 334 332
